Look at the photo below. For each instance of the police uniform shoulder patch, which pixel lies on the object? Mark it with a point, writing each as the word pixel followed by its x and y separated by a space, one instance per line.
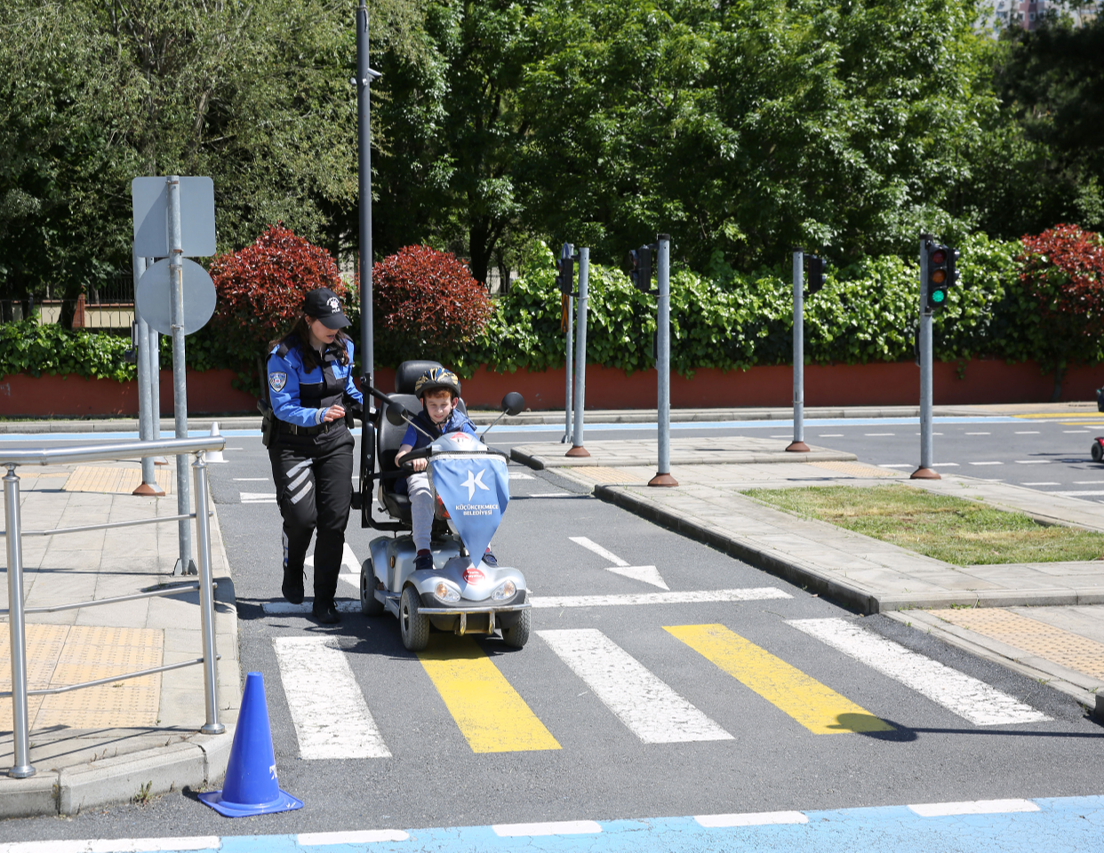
pixel 277 381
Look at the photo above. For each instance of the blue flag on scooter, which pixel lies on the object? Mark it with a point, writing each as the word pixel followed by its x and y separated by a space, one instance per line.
pixel 475 490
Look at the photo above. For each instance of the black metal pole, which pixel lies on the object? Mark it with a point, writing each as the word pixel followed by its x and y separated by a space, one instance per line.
pixel 363 82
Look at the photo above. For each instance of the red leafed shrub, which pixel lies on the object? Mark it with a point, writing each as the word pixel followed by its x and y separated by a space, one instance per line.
pixel 427 303
pixel 1063 269
pixel 261 288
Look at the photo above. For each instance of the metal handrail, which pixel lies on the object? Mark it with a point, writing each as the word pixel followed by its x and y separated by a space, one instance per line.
pixel 21 767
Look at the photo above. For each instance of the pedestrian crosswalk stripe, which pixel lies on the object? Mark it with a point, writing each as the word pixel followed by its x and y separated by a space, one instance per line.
pixel 649 707
pixel 962 694
pixel 679 597
pixel 719 821
pixel 817 707
pixel 331 718
pixel 491 714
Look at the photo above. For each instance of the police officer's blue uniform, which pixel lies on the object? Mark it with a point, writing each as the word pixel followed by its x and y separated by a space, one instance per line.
pixel 312 461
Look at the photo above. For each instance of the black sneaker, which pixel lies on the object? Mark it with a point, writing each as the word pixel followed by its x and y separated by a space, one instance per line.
pixel 490 559
pixel 292 587
pixel 423 563
pixel 325 614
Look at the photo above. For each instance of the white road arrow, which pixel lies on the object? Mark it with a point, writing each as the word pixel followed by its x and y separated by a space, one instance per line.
pixel 647 574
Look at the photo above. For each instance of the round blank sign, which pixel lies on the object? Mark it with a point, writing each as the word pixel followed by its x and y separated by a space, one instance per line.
pixel 153 297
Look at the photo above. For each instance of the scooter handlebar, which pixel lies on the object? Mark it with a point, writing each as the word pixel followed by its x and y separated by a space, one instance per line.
pixel 427 452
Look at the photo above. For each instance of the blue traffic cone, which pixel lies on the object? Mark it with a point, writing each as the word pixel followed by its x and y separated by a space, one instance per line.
pixel 251 786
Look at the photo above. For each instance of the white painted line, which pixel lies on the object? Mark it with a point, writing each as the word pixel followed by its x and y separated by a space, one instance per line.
pixel 720 821
pixel 554 495
pixel 1092 493
pixel 598 549
pixel 986 463
pixel 331 718
pixel 830 435
pixel 258 497
pixel 1027 432
pixel 284 608
pixel 366 836
pixel 647 574
pixel 119 845
pixel 897 465
pixel 652 710
pixel 1032 461
pixel 1086 482
pixel 976 807
pixel 1047 483
pixel 945 465
pixel 632 598
pixel 1075 430
pixel 561 827
pixel 350 565
pixel 877 434
pixel 979 433
pixel 518 475
pixel 962 694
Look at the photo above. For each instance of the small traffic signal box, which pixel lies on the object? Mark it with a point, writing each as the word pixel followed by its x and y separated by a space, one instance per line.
pixel 565 278
pixel 641 272
pixel 814 281
pixel 941 274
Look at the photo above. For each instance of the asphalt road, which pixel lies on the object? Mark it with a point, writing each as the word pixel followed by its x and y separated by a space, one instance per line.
pixel 741 749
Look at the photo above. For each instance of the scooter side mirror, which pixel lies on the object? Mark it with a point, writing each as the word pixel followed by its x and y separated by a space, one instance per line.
pixel 396 414
pixel 513 403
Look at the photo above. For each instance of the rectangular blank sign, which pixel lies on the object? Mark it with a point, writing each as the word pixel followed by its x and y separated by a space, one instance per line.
pixel 151 217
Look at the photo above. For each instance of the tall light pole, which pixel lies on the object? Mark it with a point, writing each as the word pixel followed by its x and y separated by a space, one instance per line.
pixel 363 82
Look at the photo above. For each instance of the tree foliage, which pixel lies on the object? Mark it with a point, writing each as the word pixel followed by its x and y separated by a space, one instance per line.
pixel 427 303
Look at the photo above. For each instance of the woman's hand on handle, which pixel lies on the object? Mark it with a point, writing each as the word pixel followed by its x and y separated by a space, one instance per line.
pixel 334 413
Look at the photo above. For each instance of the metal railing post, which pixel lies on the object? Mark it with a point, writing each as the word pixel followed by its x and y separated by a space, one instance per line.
pixel 212 726
pixel 577 449
pixel 21 767
pixel 663 363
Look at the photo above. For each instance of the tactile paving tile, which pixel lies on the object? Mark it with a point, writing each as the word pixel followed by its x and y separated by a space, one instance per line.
pixel 1032 636
pixel 59 655
pixel 855 469
pixel 88 478
pixel 607 475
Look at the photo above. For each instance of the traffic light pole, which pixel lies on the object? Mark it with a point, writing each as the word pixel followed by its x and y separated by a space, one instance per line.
pixel 577 449
pixel 567 251
pixel 798 444
pixel 663 364
pixel 926 471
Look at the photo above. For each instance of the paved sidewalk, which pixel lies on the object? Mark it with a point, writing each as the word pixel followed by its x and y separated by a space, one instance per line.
pixel 1053 627
pixel 125 739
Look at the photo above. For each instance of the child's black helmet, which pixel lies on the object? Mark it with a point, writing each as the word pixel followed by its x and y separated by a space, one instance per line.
pixel 435 379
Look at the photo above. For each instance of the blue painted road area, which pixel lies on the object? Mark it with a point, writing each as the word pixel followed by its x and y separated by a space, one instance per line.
pixel 1058 825
pixel 523 428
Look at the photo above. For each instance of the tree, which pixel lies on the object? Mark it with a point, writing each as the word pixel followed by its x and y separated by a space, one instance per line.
pixel 428 302
pixel 1063 273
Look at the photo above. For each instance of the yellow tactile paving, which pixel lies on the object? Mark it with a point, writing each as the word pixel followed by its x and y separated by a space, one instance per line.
pixel 59 655
pixel 600 474
pixel 88 478
pixel 855 469
pixel 1032 636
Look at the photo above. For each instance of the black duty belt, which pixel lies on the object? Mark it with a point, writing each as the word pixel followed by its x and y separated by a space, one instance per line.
pixel 295 429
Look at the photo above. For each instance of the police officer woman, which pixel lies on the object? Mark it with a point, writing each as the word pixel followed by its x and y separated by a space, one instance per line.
pixel 310 381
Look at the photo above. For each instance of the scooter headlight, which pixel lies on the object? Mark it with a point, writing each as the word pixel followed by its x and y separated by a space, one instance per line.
pixel 445 593
pixel 504 591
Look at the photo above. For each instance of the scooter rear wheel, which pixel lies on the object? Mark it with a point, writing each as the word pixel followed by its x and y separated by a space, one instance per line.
pixel 518 636
pixel 369 604
pixel 413 624
pixel 1097 452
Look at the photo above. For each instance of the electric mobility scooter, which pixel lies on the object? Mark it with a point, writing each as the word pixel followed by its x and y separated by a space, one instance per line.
pixel 462 594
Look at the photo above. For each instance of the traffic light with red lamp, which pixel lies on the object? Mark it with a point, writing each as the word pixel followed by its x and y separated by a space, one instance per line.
pixel 941 274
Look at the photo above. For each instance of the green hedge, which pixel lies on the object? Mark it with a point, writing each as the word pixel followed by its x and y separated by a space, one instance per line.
pixel 865 313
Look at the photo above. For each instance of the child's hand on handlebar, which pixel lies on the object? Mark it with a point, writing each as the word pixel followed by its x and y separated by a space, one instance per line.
pixel 419 464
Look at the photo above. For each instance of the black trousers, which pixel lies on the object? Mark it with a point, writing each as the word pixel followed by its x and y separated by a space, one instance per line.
pixel 314 487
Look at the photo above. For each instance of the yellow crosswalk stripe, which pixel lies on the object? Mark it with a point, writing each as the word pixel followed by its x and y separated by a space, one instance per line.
pixel 817 707
pixel 490 713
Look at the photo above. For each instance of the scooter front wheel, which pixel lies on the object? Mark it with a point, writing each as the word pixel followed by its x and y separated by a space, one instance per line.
pixel 413 624
pixel 518 636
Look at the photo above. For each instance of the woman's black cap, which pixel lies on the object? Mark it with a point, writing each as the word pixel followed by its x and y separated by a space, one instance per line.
pixel 325 305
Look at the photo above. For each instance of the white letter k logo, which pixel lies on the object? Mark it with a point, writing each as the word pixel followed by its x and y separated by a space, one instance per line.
pixel 475 480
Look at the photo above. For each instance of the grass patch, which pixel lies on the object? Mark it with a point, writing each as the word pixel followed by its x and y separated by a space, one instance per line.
pixel 956 531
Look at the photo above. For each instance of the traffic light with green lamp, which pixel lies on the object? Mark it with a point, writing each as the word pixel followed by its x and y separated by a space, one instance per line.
pixel 941 274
